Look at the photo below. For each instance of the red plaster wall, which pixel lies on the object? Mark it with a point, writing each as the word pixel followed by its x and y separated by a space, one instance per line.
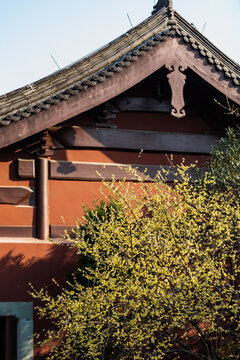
pixel 160 122
pixel 16 215
pixel 36 263
pixel 66 197
pixel 10 214
pixel 126 157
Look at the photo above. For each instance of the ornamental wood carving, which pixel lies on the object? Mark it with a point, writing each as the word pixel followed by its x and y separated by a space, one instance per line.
pixel 177 80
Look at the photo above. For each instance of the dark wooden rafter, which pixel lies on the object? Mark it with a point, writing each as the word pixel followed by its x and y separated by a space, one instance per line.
pixel 135 104
pixel 129 103
pixel 135 140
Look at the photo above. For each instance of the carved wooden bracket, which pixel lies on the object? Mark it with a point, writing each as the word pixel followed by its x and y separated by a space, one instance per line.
pixel 47 148
pixel 177 80
pixel 106 112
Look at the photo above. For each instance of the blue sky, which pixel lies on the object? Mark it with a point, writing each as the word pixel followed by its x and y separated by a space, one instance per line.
pixel 33 30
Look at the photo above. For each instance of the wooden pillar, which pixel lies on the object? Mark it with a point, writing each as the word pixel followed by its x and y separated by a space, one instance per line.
pixel 42 226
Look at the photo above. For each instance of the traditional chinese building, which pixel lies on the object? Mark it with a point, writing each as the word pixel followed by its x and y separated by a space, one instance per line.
pixel 153 88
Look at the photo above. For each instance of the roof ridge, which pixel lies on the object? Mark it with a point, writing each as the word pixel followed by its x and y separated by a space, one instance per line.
pixel 162 4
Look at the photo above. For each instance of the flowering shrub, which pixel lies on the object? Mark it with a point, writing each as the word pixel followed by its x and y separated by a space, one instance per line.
pixel 225 160
pixel 159 277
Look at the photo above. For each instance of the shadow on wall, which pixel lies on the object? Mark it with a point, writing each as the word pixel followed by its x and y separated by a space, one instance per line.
pixel 38 264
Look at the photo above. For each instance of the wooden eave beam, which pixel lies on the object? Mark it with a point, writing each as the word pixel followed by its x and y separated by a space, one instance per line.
pixel 86 171
pixel 135 140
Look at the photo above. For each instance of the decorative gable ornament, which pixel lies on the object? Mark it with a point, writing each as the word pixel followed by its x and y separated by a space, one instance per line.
pixel 177 80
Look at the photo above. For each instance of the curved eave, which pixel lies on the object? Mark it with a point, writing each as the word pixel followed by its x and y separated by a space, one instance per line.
pixel 82 70
pixel 109 60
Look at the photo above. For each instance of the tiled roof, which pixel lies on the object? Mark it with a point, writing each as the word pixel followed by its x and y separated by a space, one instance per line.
pixel 161 4
pixel 111 59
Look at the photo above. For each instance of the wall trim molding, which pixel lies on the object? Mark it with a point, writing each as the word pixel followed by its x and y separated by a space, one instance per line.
pixel 16 231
